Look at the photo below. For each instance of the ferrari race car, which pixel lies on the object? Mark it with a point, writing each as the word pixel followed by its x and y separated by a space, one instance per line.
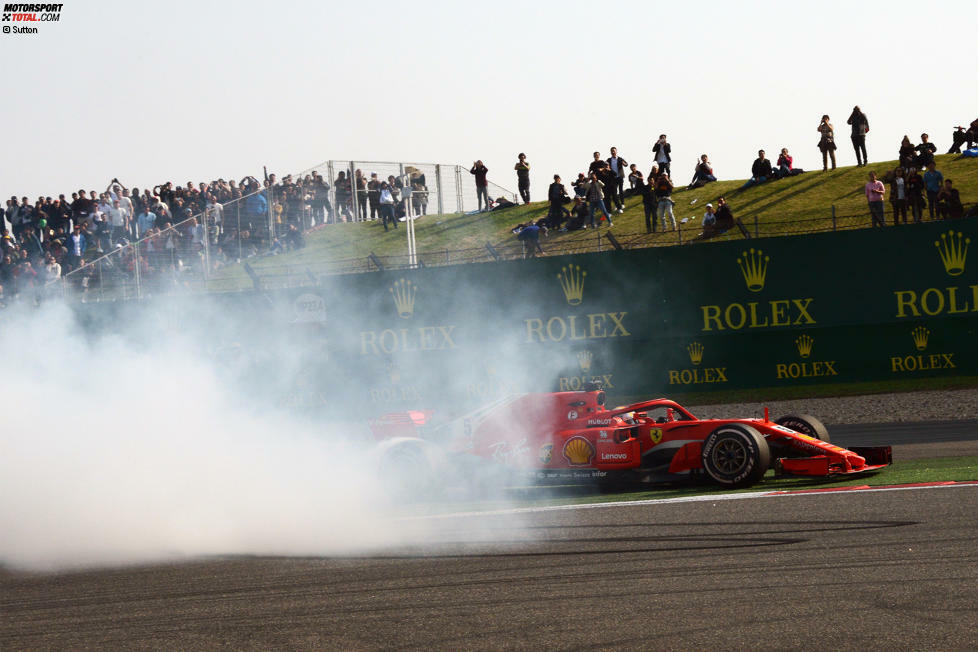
pixel 562 436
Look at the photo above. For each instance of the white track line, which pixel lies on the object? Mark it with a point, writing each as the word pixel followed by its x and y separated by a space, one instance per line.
pixel 687 499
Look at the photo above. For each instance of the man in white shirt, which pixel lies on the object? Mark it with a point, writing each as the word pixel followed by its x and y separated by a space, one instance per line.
pixel 118 220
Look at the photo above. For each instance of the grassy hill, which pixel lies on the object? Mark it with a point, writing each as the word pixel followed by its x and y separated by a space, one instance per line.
pixel 789 206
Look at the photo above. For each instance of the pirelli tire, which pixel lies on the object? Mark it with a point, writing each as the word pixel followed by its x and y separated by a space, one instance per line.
pixel 735 455
pixel 806 424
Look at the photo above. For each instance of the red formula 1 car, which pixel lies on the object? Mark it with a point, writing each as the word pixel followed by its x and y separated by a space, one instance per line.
pixel 573 435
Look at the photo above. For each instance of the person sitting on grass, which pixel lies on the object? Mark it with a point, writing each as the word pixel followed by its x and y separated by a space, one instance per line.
pixel 760 172
pixel 703 174
pixel 784 164
pixel 709 222
pixel 724 216
pixel 949 202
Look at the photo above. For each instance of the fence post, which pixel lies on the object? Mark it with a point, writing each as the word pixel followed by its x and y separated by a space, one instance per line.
pixel 353 187
pixel 331 193
pixel 833 217
pixel 438 189
pixel 757 232
pixel 459 201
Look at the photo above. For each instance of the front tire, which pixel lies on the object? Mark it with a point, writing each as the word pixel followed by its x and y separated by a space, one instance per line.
pixel 806 424
pixel 735 455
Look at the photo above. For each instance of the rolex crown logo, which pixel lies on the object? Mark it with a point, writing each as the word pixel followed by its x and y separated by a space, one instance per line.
pixel 584 358
pixel 753 265
pixel 953 248
pixel 695 352
pixel 572 283
pixel 920 335
pixel 403 292
pixel 804 344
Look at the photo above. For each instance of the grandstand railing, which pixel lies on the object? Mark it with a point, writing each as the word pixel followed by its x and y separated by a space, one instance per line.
pixel 271 276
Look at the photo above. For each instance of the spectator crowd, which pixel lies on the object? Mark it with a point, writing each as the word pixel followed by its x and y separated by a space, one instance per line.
pixel 41 241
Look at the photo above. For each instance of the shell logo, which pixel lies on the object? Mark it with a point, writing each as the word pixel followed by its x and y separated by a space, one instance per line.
pixel 578 451
pixel 655 435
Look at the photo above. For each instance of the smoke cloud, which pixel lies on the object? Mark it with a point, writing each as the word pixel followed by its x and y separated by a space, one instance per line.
pixel 141 444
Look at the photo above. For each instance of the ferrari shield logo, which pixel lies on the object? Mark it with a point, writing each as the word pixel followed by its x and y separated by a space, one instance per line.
pixel 655 435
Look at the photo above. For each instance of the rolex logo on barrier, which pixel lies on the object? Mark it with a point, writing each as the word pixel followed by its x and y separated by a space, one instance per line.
pixel 753 266
pixel 953 247
pixel 571 280
pixel 592 326
pixel 773 313
pixel 697 375
pixel 584 359
pixel 804 344
pixel 403 292
pixel 947 300
pixel 574 383
pixel 920 335
pixel 418 338
pixel 921 361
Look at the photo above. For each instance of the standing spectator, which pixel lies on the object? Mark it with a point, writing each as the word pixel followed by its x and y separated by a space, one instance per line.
pixel 77 243
pixel 557 196
pixel 949 201
pixel 649 201
pixel 785 163
pixel 874 195
pixel 826 144
pixel 596 164
pixel 481 184
pixel 915 194
pixel 635 180
pixel 933 182
pixel 703 174
pixel 908 156
pixel 373 195
pixel 898 196
pixel 663 194
pixel 344 191
pixel 958 137
pixel 595 199
pixel 860 127
pixel 386 201
pixel 522 168
pixel 618 166
pixel 360 187
pixel 925 152
pixel 82 209
pixel 52 270
pixel 419 192
pixel 760 171
pixel 662 152
pixel 610 181
pixel 118 220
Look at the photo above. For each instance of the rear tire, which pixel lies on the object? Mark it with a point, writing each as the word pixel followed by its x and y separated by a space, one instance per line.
pixel 735 455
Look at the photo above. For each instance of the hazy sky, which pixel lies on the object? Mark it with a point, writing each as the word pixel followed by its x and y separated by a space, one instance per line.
pixel 197 90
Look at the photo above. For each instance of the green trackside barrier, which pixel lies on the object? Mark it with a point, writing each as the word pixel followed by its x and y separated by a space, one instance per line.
pixel 854 306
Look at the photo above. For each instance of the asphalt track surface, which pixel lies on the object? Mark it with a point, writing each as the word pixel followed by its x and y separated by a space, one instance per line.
pixel 854 570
